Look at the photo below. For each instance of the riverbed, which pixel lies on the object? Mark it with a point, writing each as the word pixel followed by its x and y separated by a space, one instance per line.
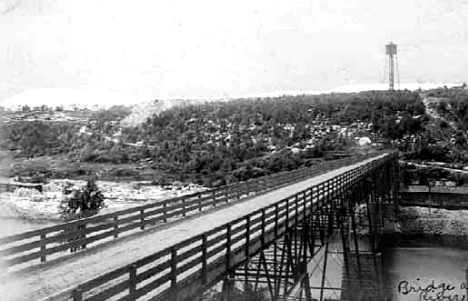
pixel 28 209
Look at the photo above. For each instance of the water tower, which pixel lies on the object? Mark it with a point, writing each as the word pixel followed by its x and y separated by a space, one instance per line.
pixel 391 52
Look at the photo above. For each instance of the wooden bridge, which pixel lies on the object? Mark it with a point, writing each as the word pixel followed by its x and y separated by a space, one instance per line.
pixel 261 233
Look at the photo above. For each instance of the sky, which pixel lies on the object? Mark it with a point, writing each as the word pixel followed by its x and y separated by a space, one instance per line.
pixel 218 48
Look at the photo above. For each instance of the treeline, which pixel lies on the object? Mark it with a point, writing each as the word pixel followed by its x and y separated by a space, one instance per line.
pixel 220 141
pixel 37 138
pixel 216 142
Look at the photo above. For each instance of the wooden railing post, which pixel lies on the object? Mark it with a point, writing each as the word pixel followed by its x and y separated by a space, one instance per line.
pixel 247 249
pixel 296 205
pixel 77 295
pixel 247 237
pixel 276 219
pixel 183 207
pixel 116 226
pixel 133 281
pixel 312 201
pixel 43 247
pixel 227 194
pixel 142 220
pixel 165 211
pixel 199 203
pixel 83 236
pixel 173 274
pixel 304 213
pixel 204 260
pixel 263 228
pixel 228 246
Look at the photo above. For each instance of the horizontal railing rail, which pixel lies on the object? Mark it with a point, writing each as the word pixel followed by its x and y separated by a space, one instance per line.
pixel 179 271
pixel 52 242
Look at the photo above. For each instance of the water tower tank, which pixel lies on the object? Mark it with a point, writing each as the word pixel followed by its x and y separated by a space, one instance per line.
pixel 391 48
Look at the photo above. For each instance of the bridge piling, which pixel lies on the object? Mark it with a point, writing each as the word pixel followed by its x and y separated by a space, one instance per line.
pixel 345 201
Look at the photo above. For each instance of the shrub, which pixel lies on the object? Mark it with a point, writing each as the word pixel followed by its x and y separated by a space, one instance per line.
pixel 87 202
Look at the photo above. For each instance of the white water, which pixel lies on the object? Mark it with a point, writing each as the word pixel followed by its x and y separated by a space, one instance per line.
pixel 28 209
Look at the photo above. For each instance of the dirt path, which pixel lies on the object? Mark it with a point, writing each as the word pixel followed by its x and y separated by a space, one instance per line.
pixel 54 277
pixel 441 167
pixel 435 115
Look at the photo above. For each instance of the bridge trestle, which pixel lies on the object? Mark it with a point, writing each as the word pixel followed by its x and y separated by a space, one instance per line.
pixel 348 226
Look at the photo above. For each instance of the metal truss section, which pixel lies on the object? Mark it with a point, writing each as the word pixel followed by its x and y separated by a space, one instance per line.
pixel 333 253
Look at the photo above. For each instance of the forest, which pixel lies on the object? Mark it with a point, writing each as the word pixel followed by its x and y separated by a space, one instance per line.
pixel 219 142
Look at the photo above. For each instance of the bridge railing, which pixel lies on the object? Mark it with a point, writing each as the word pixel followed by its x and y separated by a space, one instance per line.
pixel 55 241
pixel 180 271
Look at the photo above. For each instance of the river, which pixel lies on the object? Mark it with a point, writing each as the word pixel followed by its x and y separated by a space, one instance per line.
pixel 413 269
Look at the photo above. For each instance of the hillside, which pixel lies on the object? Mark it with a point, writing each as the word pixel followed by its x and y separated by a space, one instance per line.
pixel 445 137
pixel 212 142
pixel 144 110
pixel 451 105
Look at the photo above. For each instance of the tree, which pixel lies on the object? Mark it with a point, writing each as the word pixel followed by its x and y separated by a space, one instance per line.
pixel 87 202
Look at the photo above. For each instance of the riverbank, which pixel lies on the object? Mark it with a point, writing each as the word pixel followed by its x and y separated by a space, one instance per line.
pixel 429 227
pixel 433 221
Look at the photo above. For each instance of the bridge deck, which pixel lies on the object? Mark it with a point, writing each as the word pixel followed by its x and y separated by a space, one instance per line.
pixel 52 278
